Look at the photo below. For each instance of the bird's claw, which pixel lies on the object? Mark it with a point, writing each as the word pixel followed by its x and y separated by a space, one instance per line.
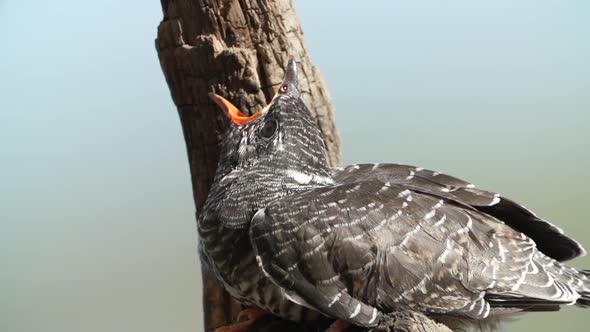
pixel 245 319
pixel 250 314
pixel 386 324
pixel 338 326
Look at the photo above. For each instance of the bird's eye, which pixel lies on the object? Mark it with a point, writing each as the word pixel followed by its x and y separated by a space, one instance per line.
pixel 269 129
pixel 284 88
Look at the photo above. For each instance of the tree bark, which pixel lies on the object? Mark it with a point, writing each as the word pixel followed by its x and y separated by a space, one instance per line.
pixel 235 48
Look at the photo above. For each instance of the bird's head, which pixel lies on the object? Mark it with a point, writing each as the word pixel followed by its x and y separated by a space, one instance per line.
pixel 281 137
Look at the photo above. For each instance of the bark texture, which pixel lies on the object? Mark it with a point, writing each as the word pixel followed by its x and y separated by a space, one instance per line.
pixel 237 49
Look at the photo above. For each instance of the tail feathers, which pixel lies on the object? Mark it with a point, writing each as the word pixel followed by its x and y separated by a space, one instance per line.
pixel 573 284
pixel 584 289
pixel 576 281
pixel 584 300
pixel 524 304
pixel 546 285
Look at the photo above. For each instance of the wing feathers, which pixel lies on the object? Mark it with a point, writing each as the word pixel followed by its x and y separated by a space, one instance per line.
pixel 550 239
pixel 357 250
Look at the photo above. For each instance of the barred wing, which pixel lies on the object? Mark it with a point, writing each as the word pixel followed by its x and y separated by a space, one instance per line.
pixel 550 239
pixel 356 250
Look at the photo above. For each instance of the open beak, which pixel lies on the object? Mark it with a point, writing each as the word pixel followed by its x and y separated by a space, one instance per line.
pixel 290 86
pixel 236 117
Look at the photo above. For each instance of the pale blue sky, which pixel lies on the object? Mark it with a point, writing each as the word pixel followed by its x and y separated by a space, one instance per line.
pixel 97 222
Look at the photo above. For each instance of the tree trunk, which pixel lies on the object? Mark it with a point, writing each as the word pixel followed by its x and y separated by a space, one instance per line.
pixel 235 48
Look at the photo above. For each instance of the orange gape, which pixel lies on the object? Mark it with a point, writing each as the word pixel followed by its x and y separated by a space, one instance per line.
pixel 236 117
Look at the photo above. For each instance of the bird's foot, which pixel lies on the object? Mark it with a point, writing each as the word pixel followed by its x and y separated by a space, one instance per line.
pixel 245 319
pixel 386 324
pixel 238 327
pixel 251 314
pixel 408 321
pixel 338 326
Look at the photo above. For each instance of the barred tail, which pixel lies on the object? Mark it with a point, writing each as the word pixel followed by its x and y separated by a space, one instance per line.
pixel 578 281
pixel 584 289
pixel 546 285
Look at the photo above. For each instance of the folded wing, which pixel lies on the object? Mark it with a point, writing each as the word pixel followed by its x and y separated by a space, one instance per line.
pixel 549 239
pixel 357 250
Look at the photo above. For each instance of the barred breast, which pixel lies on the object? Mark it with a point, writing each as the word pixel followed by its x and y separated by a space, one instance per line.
pixel 227 254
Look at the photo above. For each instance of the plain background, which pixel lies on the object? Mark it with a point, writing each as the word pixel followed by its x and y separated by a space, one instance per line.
pixel 97 222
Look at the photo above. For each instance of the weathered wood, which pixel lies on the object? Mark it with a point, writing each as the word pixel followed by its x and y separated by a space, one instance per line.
pixel 235 48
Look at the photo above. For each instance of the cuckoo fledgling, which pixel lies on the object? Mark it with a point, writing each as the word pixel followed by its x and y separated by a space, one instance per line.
pixel 285 232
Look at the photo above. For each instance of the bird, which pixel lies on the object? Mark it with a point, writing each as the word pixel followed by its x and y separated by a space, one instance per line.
pixel 286 233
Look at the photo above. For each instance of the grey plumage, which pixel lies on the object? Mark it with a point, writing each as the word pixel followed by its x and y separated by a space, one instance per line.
pixel 283 231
